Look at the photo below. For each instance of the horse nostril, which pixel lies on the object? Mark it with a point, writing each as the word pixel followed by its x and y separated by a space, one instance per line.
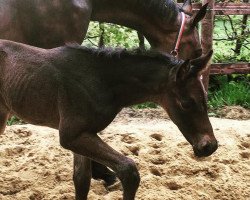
pixel 206 148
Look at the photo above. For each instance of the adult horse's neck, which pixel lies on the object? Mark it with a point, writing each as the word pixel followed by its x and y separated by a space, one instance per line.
pixel 153 18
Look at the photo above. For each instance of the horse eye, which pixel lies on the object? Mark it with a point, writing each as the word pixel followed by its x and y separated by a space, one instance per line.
pixel 187 104
pixel 198 52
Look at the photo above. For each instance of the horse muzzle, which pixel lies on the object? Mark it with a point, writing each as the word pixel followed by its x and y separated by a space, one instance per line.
pixel 205 147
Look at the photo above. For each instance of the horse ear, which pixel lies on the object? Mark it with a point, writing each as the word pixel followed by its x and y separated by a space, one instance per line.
pixel 198 64
pixel 182 71
pixel 199 16
pixel 187 7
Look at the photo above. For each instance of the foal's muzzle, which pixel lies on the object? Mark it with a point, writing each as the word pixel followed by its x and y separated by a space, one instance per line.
pixel 205 147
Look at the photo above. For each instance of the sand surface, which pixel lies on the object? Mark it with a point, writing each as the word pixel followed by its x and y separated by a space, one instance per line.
pixel 34 166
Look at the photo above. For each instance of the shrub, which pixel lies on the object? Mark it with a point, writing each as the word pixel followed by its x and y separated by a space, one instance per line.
pixel 233 93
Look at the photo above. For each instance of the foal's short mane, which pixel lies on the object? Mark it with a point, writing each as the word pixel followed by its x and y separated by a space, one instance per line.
pixel 166 9
pixel 119 53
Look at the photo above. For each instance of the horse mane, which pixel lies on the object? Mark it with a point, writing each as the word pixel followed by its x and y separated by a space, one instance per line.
pixel 120 53
pixel 166 9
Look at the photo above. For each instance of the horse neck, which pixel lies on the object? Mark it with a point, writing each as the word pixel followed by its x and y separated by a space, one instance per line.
pixel 136 80
pixel 152 20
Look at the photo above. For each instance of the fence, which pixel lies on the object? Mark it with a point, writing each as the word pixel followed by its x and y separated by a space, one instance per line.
pixel 207 33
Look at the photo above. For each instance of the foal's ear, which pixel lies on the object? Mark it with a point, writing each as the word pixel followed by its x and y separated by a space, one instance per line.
pixel 182 71
pixel 199 15
pixel 187 7
pixel 199 64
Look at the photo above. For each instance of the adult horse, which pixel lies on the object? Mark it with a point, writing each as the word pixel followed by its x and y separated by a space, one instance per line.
pixel 78 94
pixel 51 23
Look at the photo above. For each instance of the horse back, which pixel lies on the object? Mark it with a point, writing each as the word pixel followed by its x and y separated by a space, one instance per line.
pixel 42 86
pixel 44 23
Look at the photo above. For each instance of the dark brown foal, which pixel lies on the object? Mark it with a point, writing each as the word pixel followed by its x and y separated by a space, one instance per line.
pixel 48 24
pixel 74 89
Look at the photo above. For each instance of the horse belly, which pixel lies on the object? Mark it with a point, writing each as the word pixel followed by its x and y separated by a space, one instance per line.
pixel 37 107
pixel 38 110
pixel 33 98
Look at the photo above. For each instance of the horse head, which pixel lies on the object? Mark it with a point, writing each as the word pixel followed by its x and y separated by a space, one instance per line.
pixel 186 105
pixel 190 46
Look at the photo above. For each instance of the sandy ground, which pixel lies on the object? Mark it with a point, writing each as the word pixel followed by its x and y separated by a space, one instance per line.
pixel 33 165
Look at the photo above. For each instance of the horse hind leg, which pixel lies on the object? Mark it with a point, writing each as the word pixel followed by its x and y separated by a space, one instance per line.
pixel 91 146
pixel 4 115
pixel 81 176
pixel 100 171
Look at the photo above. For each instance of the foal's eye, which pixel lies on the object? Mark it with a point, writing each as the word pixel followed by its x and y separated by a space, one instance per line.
pixel 198 52
pixel 187 104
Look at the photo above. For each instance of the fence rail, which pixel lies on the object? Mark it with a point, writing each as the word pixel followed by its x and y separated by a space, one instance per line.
pixel 227 8
pixel 207 35
pixel 230 68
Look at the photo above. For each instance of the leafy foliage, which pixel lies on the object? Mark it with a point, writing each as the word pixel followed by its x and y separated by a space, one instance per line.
pixel 114 36
pixel 228 33
pixel 231 93
pixel 14 120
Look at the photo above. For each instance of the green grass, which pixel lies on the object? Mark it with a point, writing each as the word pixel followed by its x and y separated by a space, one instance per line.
pixel 145 105
pixel 14 120
pixel 233 93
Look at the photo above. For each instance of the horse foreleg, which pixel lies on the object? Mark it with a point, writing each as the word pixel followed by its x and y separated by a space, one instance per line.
pixel 81 176
pixel 91 146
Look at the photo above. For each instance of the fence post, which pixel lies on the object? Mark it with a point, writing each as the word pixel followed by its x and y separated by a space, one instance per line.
pixel 207 27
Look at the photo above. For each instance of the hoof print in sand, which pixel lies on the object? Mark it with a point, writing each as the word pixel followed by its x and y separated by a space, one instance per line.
pixel 134 150
pixel 129 139
pixel 158 161
pixel 245 154
pixel 157 136
pixel 15 151
pixel 155 171
pixel 23 132
pixel 173 185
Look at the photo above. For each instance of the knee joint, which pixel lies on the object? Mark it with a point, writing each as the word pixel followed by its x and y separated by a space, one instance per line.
pixel 129 173
pixel 66 142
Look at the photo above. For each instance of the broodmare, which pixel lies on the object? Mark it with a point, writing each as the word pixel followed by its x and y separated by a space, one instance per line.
pixel 52 23
pixel 74 90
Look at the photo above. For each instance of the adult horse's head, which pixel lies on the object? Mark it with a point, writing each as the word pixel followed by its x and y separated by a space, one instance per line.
pixel 186 105
pixel 165 39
